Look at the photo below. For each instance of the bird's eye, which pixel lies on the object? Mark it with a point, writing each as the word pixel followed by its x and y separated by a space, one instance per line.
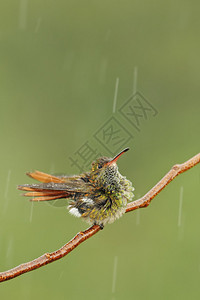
pixel 99 166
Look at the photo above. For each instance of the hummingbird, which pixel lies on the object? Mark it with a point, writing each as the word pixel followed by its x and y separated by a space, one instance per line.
pixel 99 196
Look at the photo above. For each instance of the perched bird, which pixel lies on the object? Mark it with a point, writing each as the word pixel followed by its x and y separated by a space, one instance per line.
pixel 99 196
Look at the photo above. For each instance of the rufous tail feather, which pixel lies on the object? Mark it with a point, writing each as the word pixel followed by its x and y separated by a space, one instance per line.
pixel 44 177
pixel 39 192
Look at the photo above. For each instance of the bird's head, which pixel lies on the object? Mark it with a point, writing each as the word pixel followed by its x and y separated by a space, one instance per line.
pixel 105 174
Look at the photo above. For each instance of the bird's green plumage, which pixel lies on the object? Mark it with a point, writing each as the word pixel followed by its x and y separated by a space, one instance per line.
pixel 99 196
pixel 109 194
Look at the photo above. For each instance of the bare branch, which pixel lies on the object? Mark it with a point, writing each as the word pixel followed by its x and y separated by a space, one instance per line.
pixel 50 257
pixel 84 235
pixel 175 171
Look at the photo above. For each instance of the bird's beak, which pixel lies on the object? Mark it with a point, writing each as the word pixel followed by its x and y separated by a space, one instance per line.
pixel 117 156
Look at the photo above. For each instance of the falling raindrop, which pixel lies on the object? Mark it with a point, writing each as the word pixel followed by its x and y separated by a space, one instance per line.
pixel 180 206
pixel 9 252
pixel 6 192
pixel 114 274
pixel 107 36
pixel 180 217
pixel 138 217
pixel 115 95
pixel 52 168
pixel 38 24
pixel 135 77
pixel 31 212
pixel 23 8
pixel 61 274
pixel 7 184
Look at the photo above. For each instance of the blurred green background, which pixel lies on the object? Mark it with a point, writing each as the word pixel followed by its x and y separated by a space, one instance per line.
pixel 59 64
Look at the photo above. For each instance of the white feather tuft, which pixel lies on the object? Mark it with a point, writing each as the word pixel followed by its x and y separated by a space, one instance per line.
pixel 74 211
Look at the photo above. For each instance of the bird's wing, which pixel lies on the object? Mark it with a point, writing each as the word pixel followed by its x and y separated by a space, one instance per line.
pixel 54 187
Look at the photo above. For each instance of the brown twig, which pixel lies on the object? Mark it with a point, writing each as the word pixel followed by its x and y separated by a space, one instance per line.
pixel 84 235
pixel 50 257
pixel 175 171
